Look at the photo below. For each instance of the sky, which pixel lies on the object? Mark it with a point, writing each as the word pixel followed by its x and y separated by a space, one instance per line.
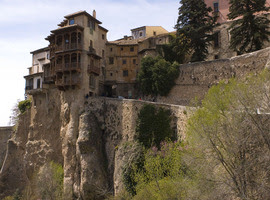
pixel 25 24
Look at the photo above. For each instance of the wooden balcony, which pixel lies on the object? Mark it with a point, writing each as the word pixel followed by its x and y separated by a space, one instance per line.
pixel 48 79
pixel 73 66
pixel 69 82
pixel 70 46
pixel 93 69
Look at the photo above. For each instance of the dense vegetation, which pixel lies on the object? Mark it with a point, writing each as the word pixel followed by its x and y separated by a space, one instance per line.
pixel 194 28
pixel 248 30
pixel 157 76
pixel 226 155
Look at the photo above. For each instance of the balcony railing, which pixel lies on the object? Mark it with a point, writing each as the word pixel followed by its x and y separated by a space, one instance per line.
pixel 29 87
pixel 68 82
pixel 68 46
pixel 68 66
pixel 93 69
pixel 48 79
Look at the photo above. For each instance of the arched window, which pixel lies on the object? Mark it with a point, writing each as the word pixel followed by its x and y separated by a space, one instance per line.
pixel 67 60
pixel 74 37
pixel 79 38
pixel 67 39
pixel 59 60
pixel 59 40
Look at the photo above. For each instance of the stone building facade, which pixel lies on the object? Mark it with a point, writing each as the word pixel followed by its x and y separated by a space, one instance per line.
pixel 77 50
pixel 34 80
pixel 123 58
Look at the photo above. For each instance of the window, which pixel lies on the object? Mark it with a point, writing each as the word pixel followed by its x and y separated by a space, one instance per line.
pixel 125 73
pixel 92 81
pixel 91 24
pixel 216 39
pixel 111 49
pixel 71 21
pixel 38 83
pixel 111 60
pixel 103 53
pixel 216 9
pixel 216 57
pixel 103 37
pixel 131 49
pixel 122 48
pixel 134 61
pixel 154 33
pixel 124 61
pixel 140 34
pixel 111 74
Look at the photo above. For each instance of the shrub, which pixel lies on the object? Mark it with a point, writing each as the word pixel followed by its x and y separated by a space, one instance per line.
pixel 24 105
pixel 153 126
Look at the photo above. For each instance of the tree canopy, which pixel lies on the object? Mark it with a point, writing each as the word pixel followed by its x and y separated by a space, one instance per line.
pixel 194 28
pixel 157 76
pixel 231 130
pixel 249 30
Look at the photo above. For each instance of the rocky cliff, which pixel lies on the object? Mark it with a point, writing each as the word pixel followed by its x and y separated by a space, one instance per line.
pixel 84 135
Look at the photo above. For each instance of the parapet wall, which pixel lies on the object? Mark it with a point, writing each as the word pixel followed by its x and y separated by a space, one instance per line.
pixel 5 134
pixel 196 78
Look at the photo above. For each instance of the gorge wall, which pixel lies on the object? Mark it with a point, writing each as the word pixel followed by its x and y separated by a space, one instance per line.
pixel 84 136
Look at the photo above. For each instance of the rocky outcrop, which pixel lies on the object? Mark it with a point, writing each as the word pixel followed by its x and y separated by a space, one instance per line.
pixel 5 134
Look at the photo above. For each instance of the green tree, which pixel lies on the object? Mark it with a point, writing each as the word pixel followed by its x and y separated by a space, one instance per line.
pixel 231 130
pixel 194 27
pixel 173 51
pixel 153 126
pixel 249 30
pixel 157 76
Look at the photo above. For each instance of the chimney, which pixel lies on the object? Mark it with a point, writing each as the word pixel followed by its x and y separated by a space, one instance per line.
pixel 125 37
pixel 94 14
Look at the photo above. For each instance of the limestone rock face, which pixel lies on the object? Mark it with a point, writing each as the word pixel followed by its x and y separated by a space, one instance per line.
pixel 88 137
pixel 91 163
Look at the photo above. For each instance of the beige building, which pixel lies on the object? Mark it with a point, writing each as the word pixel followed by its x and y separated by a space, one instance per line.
pixel 77 51
pixel 34 79
pixel 123 58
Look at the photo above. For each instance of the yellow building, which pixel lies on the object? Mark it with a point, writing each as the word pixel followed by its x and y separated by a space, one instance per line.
pixel 77 50
pixel 123 58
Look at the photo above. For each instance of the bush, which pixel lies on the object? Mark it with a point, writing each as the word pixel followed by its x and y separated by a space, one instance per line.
pixel 24 105
pixel 153 126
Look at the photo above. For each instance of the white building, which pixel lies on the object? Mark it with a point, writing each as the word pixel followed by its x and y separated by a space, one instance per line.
pixel 34 79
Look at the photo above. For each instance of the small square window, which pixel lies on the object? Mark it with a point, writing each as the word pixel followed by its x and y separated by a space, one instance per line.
pixel 140 34
pixel 124 62
pixel 154 33
pixel 131 49
pixel 71 21
pixel 134 61
pixel 122 48
pixel 125 73
pixel 111 74
pixel 216 8
pixel 111 60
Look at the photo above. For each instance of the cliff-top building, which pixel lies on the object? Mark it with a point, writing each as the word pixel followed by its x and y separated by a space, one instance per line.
pixel 34 79
pixel 77 49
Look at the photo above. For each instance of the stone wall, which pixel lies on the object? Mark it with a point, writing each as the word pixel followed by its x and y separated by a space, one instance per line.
pixel 196 78
pixel 117 119
pixel 5 134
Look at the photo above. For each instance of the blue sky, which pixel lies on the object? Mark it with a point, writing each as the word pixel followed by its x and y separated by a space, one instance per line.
pixel 25 24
